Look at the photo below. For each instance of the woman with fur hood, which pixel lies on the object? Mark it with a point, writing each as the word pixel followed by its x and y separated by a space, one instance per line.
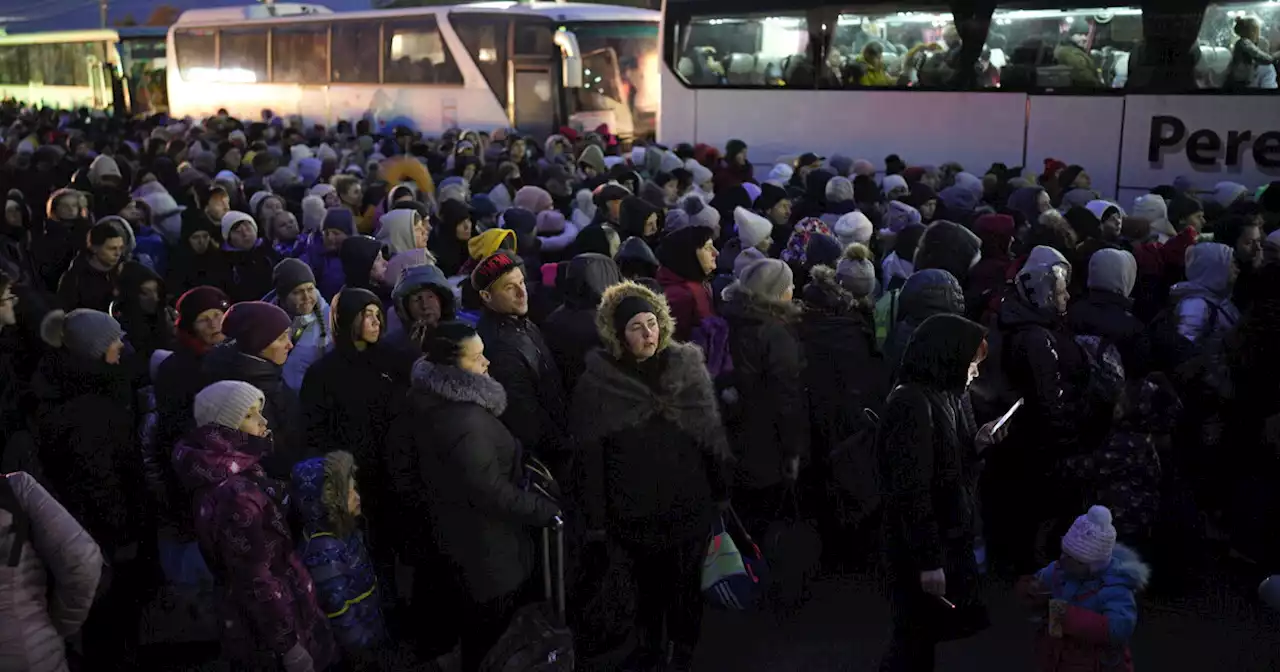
pixel 654 463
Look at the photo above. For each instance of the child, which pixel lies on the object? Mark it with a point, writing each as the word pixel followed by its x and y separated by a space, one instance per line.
pixel 333 550
pixel 1090 597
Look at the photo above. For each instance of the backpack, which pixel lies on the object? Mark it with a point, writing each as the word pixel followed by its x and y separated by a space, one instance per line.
pixel 21 522
pixel 855 470
pixel 1106 372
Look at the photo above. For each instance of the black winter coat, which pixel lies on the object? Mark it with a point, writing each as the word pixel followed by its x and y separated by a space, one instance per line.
pixel 451 456
pixel 85 432
pixel 84 286
pixel 1046 368
pixel 1109 316
pixel 768 365
pixel 570 331
pixel 520 360
pixel 249 272
pixel 281 407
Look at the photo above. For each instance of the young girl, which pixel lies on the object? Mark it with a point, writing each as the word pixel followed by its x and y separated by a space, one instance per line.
pixel 1090 594
pixel 333 550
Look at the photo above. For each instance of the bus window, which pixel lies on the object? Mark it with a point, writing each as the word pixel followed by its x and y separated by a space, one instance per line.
pixel 355 45
pixel 1061 49
pixel 299 54
pixel 1239 46
pixel 416 54
pixel 486 42
pixel 534 39
pixel 899 49
pixel 244 55
pixel 746 50
pixel 13 65
pixel 197 54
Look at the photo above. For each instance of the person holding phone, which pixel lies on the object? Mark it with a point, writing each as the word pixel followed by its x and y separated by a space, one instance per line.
pixel 928 457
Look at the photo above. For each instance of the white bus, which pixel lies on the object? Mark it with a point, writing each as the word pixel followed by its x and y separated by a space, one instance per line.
pixel 97 69
pixel 1138 99
pixel 532 66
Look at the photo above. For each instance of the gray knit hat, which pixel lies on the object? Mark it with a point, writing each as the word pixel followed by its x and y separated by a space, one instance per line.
pixel 89 333
pixel 226 403
pixel 767 278
pixel 290 274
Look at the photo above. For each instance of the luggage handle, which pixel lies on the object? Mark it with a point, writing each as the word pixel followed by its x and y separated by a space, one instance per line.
pixel 554 589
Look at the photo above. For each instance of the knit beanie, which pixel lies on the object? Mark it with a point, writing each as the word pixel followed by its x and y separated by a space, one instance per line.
pixel 628 308
pixel 453 212
pixel 491 268
pixel 770 195
pixel 550 222
pixel 90 333
pixel 231 219
pixel 254 325
pixel 1182 207
pixel 226 403
pixel 197 300
pixel 899 216
pixel 753 190
pixel 853 227
pixel 1092 538
pixel 892 182
pixel 856 272
pixel 290 274
pixel 767 278
pixel 534 199
pixel 1069 175
pixel 822 250
pixel 340 219
pixel 313 213
pixel 752 228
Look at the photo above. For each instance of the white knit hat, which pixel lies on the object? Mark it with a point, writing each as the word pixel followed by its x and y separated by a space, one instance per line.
pixel 234 217
pixel 752 228
pixel 226 403
pixel 1092 538
pixel 853 227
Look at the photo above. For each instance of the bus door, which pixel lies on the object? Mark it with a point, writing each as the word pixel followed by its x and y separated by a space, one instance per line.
pixel 99 82
pixel 534 71
pixel 604 96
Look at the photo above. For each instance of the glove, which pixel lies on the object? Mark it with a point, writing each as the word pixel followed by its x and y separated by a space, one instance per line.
pixel 298 660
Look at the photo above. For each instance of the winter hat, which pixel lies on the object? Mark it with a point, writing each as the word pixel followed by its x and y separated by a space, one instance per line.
pixel 1227 193
pixel 533 199
pixel 853 227
pixel 628 308
pixel 864 168
pixel 700 214
pixel 822 250
pixel 1113 271
pixel 254 325
pixel 780 174
pixel 1103 209
pixel 226 403
pixel 839 190
pixel 678 251
pixel 1078 198
pixel 339 219
pixel 744 259
pixel 231 219
pixel 487 243
pixel 770 195
pixel 255 201
pixel 309 170
pixel 290 274
pixel 841 165
pixel 899 216
pixel 701 174
pixel 752 228
pixel 767 278
pixel 197 300
pixel 103 166
pixel 491 268
pixel 453 212
pixel 89 333
pixel 753 190
pixel 1182 207
pixel 676 219
pixel 313 213
pixel 609 191
pixel 519 220
pixel 856 272
pixel 892 182
pixel 1154 209
pixel 323 189
pixel 1092 538
pixel 1068 175
pixel 1037 278
pixel 550 222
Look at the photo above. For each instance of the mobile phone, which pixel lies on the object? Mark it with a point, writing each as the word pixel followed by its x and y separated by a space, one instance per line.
pixel 1000 423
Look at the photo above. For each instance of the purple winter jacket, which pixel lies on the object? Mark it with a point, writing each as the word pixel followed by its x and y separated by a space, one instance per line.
pixel 267 600
pixel 326 266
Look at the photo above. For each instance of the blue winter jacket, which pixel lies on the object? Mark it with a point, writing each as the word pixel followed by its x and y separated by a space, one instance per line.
pixel 311 337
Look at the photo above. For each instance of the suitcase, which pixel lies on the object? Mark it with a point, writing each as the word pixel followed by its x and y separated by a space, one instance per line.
pixel 537 640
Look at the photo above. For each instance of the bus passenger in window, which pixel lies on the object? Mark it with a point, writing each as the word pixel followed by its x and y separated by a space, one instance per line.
pixel 1073 52
pixel 1251 66
pixel 870 66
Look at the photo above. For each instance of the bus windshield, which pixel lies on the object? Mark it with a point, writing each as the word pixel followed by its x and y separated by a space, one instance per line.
pixel 620 68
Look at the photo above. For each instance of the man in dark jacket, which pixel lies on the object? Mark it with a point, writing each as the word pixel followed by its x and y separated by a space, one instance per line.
pixel 91 280
pixel 571 330
pixel 519 357
pixel 55 244
pixel 364 265
pixel 422 299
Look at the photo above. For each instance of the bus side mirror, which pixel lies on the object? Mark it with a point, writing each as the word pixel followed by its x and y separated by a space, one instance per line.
pixel 570 59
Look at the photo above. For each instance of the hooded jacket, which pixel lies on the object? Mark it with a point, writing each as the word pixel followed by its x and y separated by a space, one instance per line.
pixel 1204 307
pixel 268 603
pixel 635 258
pixel 145 332
pixel 455 464
pixel 1106 309
pixel 682 279
pixel 280 406
pixel 1102 614
pixel 397 332
pixel 768 365
pixel 312 336
pixel 926 293
pixel 249 271
pixel 333 550
pixel 396 230
pixel 188 269
pixel 950 247
pixel 358 255
pixel 570 330
pixel 653 448
pixel 38 614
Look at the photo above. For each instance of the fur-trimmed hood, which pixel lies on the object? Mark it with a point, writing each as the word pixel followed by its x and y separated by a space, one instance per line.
pixel 609 305
pixel 608 399
pixel 824 294
pixel 454 384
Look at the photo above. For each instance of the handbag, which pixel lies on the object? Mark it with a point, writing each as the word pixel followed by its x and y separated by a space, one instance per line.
pixel 734 570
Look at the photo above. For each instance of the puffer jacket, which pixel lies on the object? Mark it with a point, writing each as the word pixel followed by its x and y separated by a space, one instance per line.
pixel 927 293
pixel 267 600
pixel 311 336
pixel 35 617
pixel 1204 307
pixel 1102 614
pixel 332 547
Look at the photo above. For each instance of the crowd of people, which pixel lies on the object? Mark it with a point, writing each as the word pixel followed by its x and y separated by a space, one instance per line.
pixel 338 380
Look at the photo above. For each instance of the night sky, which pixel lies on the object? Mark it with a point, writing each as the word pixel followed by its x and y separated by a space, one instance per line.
pixel 29 16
